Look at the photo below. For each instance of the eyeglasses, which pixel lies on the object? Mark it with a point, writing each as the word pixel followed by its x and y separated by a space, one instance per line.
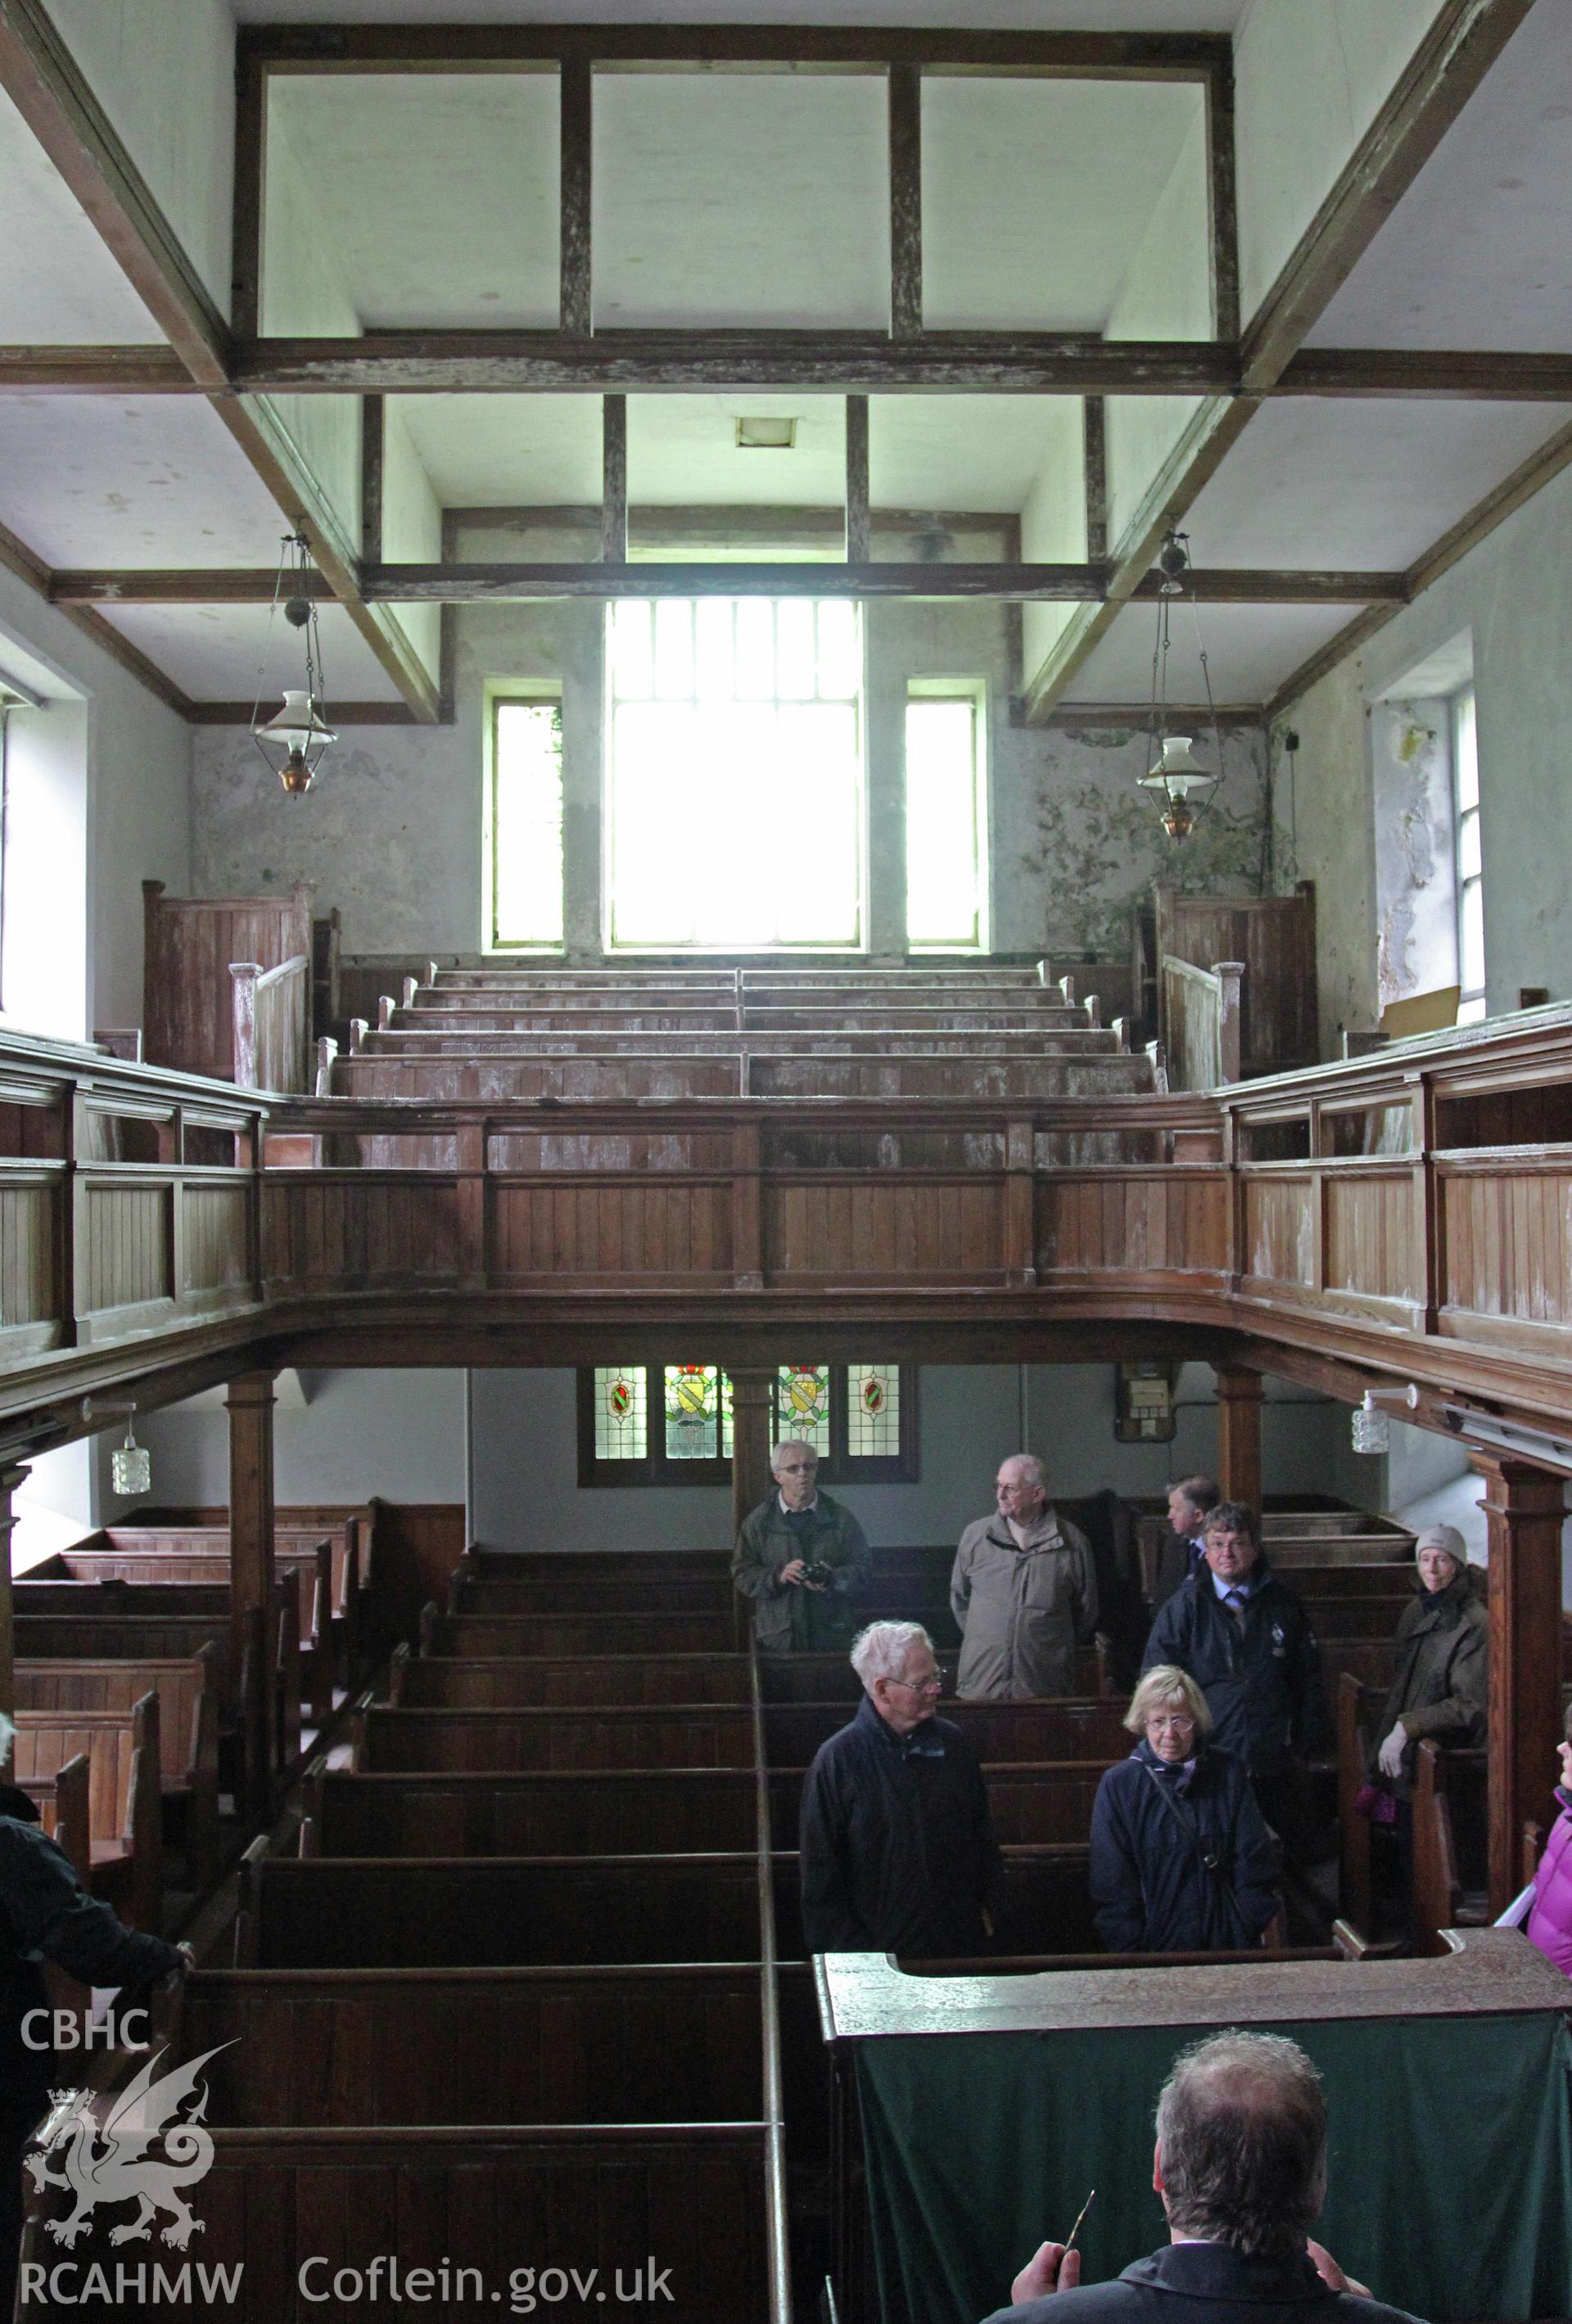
pixel 796 1469
pixel 934 1685
pixel 1180 1721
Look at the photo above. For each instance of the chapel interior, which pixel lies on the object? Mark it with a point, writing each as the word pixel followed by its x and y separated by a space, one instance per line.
pixel 839 720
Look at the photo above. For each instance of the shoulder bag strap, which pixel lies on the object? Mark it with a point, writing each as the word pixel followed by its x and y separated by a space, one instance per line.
pixel 1184 1817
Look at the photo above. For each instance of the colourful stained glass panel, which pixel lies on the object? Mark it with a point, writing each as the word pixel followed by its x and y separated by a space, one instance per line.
pixel 801 1406
pixel 873 1411
pixel 622 1426
pixel 693 1412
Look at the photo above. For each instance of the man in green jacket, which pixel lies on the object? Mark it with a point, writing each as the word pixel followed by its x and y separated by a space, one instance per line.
pixel 802 1558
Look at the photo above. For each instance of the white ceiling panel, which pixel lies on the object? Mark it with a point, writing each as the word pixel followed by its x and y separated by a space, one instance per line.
pixel 978 452
pixel 58 285
pixel 1251 650
pixel 436 193
pixel 1035 195
pixel 1041 16
pixel 682 450
pixel 1478 253
pixel 91 480
pixel 213 653
pixel 495 451
pixel 1360 485
pixel 741 198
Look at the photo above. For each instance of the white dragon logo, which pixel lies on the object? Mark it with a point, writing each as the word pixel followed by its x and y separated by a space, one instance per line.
pixel 110 2163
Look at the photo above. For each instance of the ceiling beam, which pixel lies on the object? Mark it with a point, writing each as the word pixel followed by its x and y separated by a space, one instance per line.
pixel 200 586
pixel 343 713
pixel 761 525
pixel 1419 374
pixel 1450 62
pixel 95 371
pixel 40 77
pixel 16 557
pixel 847 363
pixel 457 47
pixel 479 582
pixel 1530 477
pixel 576 257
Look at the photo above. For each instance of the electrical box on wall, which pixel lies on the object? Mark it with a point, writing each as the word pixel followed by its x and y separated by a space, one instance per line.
pixel 1144 1394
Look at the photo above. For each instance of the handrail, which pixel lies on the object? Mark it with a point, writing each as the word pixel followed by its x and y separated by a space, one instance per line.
pixel 777 2216
pixel 1204 1037
pixel 273 1008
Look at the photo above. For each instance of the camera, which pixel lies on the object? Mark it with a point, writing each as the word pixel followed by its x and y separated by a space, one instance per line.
pixel 821 1574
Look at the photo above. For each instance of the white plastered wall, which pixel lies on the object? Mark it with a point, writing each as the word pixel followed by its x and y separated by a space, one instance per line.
pixel 164 70
pixel 412 531
pixel 1054 523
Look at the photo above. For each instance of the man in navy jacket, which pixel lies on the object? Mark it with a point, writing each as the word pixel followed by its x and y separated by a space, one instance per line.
pixel 1247 1641
pixel 1241 2168
pixel 898 1853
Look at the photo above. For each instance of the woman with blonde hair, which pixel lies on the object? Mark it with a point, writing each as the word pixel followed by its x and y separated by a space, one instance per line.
pixel 1182 1858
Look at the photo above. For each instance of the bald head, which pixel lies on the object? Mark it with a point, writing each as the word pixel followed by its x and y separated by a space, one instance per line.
pixel 1242 2143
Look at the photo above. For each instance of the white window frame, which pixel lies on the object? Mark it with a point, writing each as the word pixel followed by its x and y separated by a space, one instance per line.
pixel 533 693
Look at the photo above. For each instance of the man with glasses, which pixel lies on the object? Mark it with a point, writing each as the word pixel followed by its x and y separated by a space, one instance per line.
pixel 1022 1590
pixel 897 1847
pixel 802 1558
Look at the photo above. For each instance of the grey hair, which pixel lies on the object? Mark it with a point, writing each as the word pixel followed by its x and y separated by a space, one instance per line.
pixel 1031 1464
pixel 1166 1683
pixel 1242 2126
pixel 8 1736
pixel 790 1445
pixel 880 1651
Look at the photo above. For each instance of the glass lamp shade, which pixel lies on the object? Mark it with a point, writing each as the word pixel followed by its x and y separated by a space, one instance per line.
pixel 1372 1428
pixel 298 738
pixel 1177 771
pixel 131 1468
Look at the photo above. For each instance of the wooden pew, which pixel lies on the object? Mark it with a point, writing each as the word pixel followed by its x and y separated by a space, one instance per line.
pixel 1447 1832
pixel 557 1635
pixel 125 1820
pixel 1355 1897
pixel 611 1735
pixel 187 1694
pixel 513 1600
pixel 830 1678
pixel 497 1683
pixel 637 1811
pixel 341 2048
pixel 481 2203
pixel 1063 1728
pixel 64 1804
pixel 492 1911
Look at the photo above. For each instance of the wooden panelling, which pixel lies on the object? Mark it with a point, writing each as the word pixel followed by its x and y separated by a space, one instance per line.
pixel 634 1812
pixel 841 1230
pixel 217 1223
pixel 628 1736
pixel 1369 1236
pixel 189 1007
pixel 1275 937
pixel 581 1634
pixel 445 1684
pixel 588 1228
pixel 29 1216
pixel 321 1228
pixel 1170 1220
pixel 501 2046
pixel 1280 1230
pixel 128 1245
pixel 1508 1238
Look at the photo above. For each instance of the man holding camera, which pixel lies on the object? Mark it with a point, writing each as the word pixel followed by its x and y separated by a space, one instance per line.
pixel 802 1558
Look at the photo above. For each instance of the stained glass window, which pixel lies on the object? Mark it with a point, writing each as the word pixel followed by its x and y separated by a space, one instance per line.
pixel 801 1406
pixel 526 824
pixel 621 1427
pixel 727 714
pixel 860 1419
pixel 873 1411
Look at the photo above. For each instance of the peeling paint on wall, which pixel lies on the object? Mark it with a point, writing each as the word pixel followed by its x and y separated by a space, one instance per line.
pixel 1411 776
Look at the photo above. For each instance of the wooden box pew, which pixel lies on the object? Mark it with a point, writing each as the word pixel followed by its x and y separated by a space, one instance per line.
pixel 830 1678
pixel 553 1594
pixel 548 1636
pixel 1316 1583
pixel 173 1621
pixel 187 1692
pixel 1449 1844
pixel 63 1799
pixel 327 1912
pixel 1034 1805
pixel 324 1575
pixel 636 1812
pixel 500 1682
pixel 125 1847
pixel 610 1735
pixel 471 2207
pixel 1064 1729
pixel 1295 1537
pixel 485 1565
pixel 1348 1618
pixel 343 2048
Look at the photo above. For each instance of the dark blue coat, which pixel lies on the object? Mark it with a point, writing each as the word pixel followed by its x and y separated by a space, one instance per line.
pixel 1206 2283
pixel 898 1853
pixel 1152 1891
pixel 1262 1680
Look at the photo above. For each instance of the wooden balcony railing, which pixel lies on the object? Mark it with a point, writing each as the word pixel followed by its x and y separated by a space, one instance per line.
pixel 1406 1210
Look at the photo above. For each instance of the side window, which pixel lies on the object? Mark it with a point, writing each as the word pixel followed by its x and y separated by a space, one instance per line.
pixel 946 849
pixel 523 905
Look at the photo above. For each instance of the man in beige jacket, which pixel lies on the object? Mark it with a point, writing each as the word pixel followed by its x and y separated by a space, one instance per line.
pixel 1023 1592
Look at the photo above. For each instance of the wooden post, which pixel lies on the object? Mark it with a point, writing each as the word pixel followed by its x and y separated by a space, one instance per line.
pixel 1228 974
pixel 250 1406
pixel 245 974
pixel 1525 1508
pixel 858 533
pixel 1020 1221
pixel 747 1210
pixel 750 1447
pixel 905 201
pixel 10 1478
pixel 1239 1393
pixel 614 479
